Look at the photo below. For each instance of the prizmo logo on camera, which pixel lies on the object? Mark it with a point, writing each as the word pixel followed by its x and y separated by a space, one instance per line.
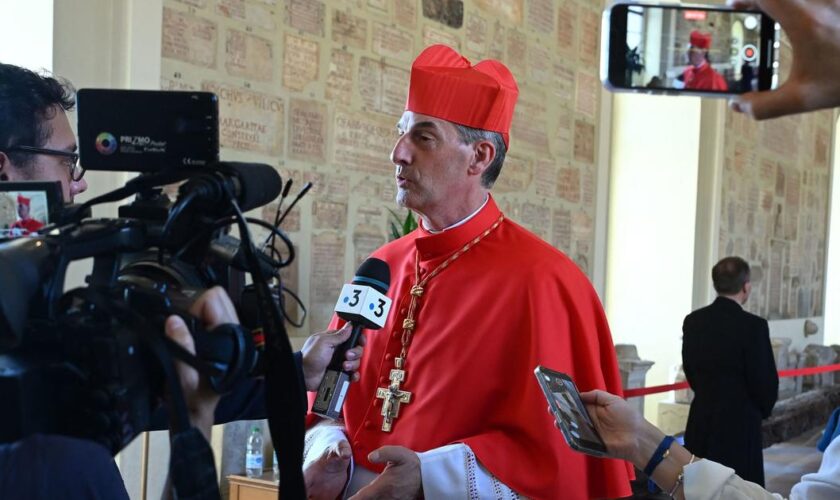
pixel 106 143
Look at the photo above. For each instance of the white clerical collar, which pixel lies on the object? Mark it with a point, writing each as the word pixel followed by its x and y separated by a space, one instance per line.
pixel 460 222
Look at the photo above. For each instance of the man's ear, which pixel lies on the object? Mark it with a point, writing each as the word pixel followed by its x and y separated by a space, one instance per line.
pixel 484 154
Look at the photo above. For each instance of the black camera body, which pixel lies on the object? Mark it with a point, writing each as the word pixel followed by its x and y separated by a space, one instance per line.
pixel 93 362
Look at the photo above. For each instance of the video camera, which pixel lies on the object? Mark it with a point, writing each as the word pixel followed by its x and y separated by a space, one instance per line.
pixel 63 355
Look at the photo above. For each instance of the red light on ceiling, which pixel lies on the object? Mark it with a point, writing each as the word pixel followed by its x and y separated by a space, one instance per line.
pixel 695 15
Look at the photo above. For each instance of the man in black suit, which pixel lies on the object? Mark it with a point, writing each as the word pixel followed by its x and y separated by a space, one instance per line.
pixel 729 364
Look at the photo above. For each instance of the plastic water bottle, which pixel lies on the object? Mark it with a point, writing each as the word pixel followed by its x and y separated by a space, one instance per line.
pixel 254 453
pixel 276 467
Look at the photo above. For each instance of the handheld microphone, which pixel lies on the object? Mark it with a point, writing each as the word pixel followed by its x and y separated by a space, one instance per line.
pixel 364 304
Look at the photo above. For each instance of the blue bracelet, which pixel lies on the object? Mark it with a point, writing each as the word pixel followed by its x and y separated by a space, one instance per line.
pixel 658 455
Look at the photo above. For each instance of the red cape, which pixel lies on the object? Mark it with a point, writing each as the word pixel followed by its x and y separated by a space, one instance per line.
pixel 704 78
pixel 29 225
pixel 507 305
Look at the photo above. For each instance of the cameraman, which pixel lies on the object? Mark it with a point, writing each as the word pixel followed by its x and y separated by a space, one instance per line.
pixel 50 466
pixel 37 144
pixel 36 141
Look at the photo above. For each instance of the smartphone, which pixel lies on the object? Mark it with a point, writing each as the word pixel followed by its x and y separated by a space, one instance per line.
pixel 571 415
pixel 26 207
pixel 662 48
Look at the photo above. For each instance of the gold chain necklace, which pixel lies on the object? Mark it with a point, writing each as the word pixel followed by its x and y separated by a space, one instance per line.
pixel 392 396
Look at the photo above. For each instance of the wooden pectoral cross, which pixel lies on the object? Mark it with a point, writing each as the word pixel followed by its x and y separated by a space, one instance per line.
pixel 392 397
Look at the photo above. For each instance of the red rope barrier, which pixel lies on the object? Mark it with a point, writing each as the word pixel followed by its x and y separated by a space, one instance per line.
pixel 794 372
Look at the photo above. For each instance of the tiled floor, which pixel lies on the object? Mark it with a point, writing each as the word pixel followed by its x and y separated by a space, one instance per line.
pixel 785 463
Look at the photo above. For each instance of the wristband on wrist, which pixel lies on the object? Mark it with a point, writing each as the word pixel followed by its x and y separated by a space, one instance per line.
pixel 658 455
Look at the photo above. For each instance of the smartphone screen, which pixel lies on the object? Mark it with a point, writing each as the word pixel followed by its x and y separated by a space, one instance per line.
pixel 569 411
pixel 27 207
pixel 691 49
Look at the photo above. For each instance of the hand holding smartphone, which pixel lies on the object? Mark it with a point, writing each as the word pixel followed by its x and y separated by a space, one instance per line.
pixel 702 50
pixel 569 412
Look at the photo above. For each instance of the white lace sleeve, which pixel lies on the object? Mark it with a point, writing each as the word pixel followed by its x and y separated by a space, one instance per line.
pixel 320 438
pixel 707 480
pixel 453 472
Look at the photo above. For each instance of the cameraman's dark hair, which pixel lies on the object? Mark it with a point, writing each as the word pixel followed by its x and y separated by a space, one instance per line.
pixel 470 135
pixel 27 100
pixel 730 274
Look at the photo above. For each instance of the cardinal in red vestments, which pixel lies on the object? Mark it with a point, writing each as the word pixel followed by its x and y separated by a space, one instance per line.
pixel 26 223
pixel 448 405
pixel 700 75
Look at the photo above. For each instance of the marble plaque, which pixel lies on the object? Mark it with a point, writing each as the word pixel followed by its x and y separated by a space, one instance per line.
pixel 541 15
pixel 567 12
pixel 308 130
pixel 475 35
pixel 248 56
pixel 590 37
pixel 339 88
pixel 515 176
pixel 349 30
pixel 251 14
pixel 568 184
pixel 509 10
pixel 329 214
pixel 584 141
pixel 189 38
pixel 248 120
pixel 405 14
pixel 545 178
pixel 392 42
pixel 561 234
pixel 432 36
pixel 586 95
pixel 326 277
pixel 363 143
pixel 366 239
pixel 306 15
pixel 300 62
pixel 382 86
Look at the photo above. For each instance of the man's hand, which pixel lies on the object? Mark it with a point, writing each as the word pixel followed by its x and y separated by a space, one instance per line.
pixel 325 478
pixel 318 351
pixel 213 308
pixel 401 478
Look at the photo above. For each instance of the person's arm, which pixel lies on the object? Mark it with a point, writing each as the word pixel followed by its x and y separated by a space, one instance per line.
pixel 630 437
pixel 760 369
pixel 813 28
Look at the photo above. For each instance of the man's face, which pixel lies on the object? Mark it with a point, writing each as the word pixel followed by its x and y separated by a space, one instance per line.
pixel 696 56
pixel 431 163
pixel 23 211
pixel 47 167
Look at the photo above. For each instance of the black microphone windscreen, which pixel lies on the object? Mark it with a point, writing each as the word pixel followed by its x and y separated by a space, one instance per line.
pixel 260 184
pixel 375 273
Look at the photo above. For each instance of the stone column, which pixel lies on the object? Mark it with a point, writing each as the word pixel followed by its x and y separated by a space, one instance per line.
pixel 781 353
pixel 633 371
pixel 818 355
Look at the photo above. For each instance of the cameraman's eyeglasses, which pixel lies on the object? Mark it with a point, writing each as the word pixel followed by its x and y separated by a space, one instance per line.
pixel 70 160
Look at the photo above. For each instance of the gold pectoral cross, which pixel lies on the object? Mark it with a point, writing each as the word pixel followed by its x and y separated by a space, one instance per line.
pixel 392 397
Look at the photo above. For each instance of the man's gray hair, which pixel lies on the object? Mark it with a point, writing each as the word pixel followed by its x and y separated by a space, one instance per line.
pixel 471 135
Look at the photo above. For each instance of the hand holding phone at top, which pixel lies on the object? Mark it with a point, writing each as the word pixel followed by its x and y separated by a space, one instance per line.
pixel 813 27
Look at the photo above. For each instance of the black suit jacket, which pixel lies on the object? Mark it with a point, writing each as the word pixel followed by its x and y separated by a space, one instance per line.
pixel 728 361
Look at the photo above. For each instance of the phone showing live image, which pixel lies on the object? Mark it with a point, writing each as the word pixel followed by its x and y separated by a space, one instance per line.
pixel 569 411
pixel 704 50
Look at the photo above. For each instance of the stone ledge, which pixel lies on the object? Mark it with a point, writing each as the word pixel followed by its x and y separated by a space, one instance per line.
pixel 793 416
